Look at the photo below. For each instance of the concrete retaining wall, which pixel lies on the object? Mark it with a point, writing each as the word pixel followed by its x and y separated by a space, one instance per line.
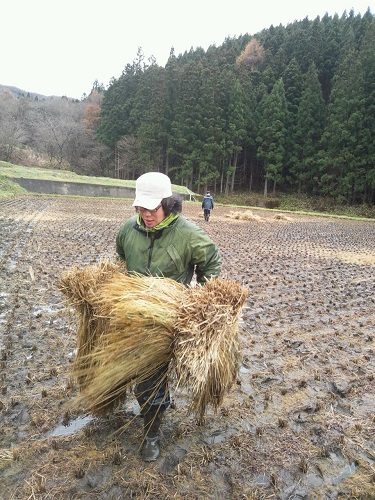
pixel 74 188
pixel 78 188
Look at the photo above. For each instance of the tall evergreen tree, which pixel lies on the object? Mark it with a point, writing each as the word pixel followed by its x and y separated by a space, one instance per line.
pixel 293 83
pixel 235 130
pixel 271 136
pixel 186 128
pixel 211 125
pixel 367 63
pixel 117 105
pixel 343 162
pixel 149 115
pixel 310 126
pixel 171 98
pixel 249 160
pixel 332 42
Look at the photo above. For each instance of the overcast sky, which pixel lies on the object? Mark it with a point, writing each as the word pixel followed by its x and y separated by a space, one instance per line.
pixel 55 47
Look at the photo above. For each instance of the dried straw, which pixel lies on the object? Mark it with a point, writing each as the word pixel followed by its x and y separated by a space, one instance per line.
pixel 246 215
pixel 80 286
pixel 140 313
pixel 132 325
pixel 6 455
pixel 206 351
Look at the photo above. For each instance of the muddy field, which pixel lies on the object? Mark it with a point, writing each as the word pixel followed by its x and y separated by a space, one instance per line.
pixel 298 424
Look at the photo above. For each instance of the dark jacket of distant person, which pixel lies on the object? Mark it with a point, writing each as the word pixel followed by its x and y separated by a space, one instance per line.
pixel 208 201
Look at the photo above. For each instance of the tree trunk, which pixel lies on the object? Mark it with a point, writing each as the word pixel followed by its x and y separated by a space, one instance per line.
pixel 222 179
pixel 167 164
pixel 235 161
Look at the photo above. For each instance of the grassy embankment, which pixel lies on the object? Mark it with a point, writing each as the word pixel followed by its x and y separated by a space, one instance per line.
pixel 286 203
pixel 8 171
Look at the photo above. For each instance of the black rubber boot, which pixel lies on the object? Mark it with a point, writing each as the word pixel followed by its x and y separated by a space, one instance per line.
pixel 151 448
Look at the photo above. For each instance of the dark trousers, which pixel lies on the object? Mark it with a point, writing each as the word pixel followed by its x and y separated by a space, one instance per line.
pixel 153 394
pixel 206 212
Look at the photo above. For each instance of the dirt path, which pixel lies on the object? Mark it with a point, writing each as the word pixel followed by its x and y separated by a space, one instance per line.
pixel 299 423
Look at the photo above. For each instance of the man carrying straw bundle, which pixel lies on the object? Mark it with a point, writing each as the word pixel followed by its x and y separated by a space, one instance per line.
pixel 158 241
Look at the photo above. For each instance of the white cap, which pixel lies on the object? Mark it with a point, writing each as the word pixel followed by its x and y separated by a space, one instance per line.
pixel 150 189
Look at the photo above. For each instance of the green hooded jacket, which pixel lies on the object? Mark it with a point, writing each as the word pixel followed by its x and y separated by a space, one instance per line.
pixel 174 252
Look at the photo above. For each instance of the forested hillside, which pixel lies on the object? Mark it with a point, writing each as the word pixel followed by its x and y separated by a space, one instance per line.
pixel 289 109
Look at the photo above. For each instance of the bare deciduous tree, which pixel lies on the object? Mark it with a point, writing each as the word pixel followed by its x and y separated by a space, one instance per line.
pixel 58 130
pixel 127 158
pixel 13 125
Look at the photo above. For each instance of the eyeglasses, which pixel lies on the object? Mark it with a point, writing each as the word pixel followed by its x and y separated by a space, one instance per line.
pixel 142 210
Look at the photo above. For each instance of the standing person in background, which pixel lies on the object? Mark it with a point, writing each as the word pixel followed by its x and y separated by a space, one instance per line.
pixel 207 205
pixel 159 241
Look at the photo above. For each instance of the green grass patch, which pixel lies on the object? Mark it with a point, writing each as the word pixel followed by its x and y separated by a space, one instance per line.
pixel 9 187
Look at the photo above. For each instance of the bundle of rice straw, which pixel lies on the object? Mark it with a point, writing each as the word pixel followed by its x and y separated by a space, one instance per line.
pixel 206 350
pixel 132 325
pixel 140 312
pixel 79 286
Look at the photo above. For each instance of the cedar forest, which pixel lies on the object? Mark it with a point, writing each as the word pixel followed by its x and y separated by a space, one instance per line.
pixel 289 109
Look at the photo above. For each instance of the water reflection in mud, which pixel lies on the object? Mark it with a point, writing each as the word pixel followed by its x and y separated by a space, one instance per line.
pixel 74 426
